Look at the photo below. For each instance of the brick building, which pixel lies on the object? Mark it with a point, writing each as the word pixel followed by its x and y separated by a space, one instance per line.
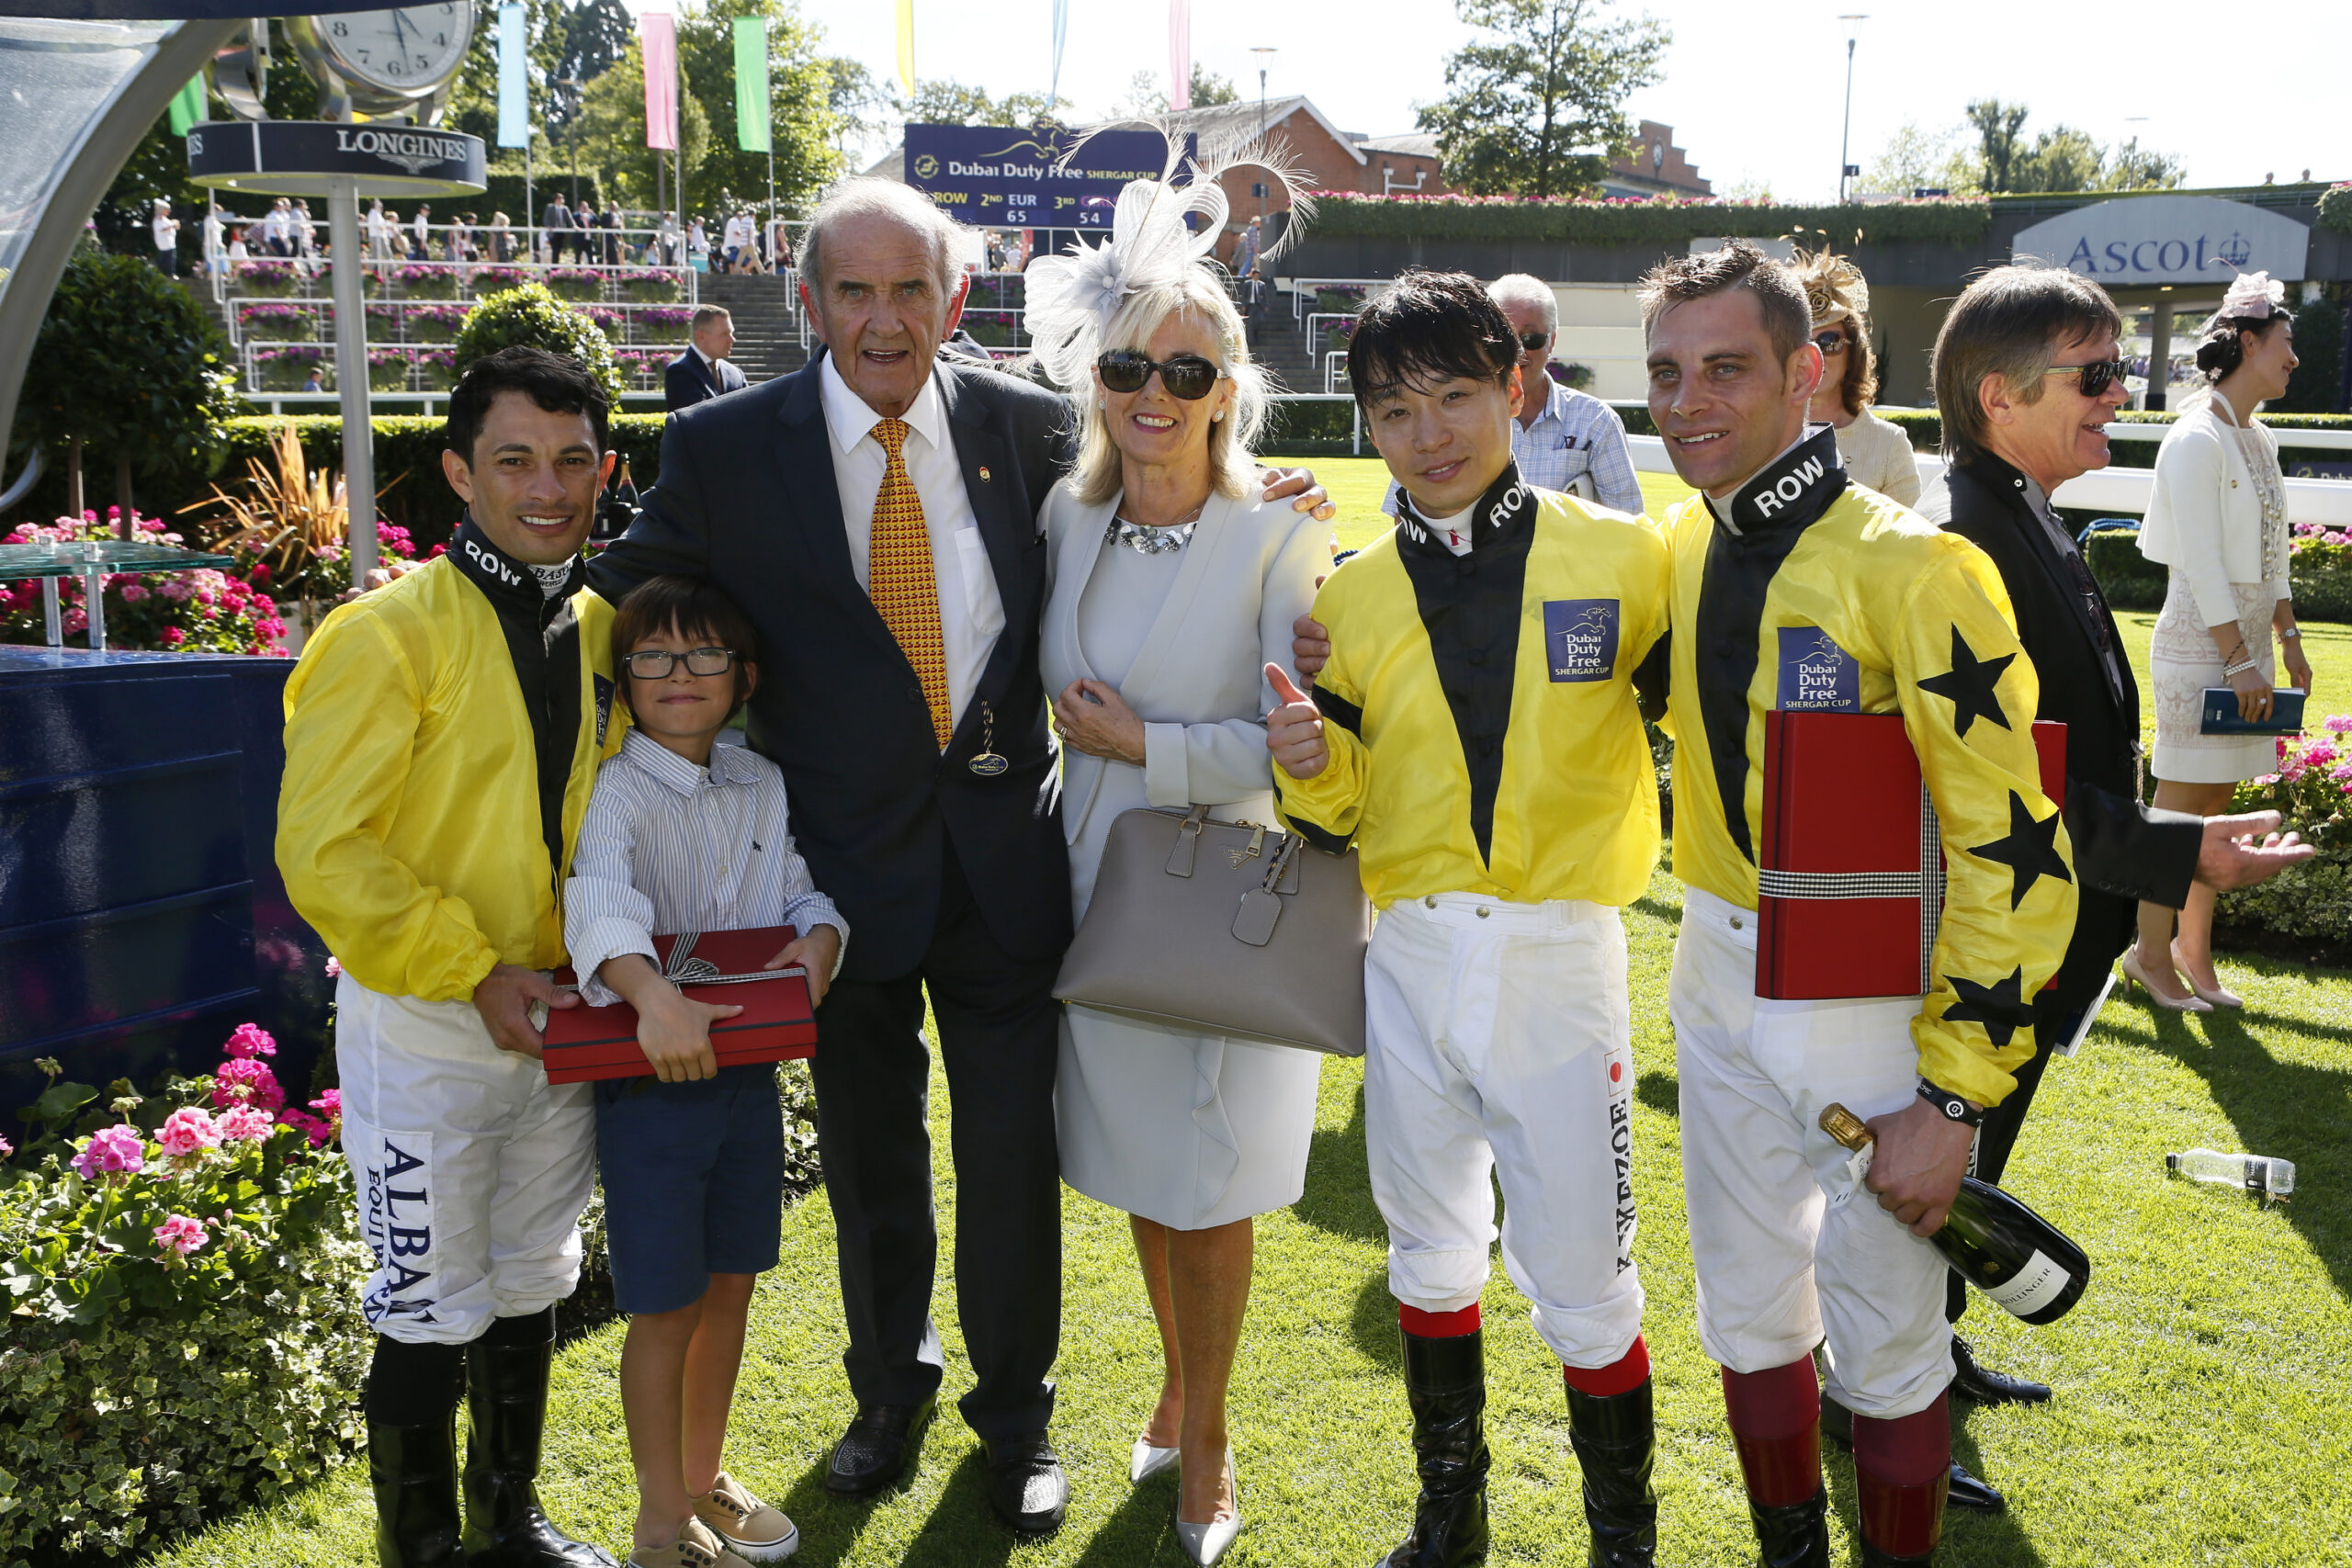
pixel 1655 167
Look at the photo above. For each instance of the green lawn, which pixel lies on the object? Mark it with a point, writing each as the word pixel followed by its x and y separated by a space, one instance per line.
pixel 2198 1416
pixel 2201 1382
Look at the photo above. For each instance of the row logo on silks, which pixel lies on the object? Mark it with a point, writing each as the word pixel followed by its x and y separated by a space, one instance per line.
pixel 1816 676
pixel 1580 638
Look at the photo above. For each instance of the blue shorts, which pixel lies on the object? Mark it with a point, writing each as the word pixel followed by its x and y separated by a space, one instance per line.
pixel 694 1182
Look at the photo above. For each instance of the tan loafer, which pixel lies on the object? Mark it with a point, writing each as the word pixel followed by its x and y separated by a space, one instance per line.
pixel 750 1528
pixel 697 1546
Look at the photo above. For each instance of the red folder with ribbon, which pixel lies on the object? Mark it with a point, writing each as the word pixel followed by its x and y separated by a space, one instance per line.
pixel 777 1023
pixel 1851 871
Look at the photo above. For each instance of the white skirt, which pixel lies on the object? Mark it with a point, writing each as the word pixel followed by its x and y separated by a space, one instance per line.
pixel 1192 1131
pixel 2183 661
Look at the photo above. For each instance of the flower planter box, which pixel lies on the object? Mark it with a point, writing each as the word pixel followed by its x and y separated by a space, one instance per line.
pixel 649 286
pixel 281 325
pixel 271 279
pixel 387 374
pixel 485 281
pixel 436 371
pixel 286 370
pixel 427 280
pixel 575 283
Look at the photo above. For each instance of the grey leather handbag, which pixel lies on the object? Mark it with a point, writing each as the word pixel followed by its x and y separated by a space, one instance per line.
pixel 1228 928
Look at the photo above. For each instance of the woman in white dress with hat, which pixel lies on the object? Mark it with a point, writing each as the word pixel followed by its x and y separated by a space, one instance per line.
pixel 2218 520
pixel 1172 586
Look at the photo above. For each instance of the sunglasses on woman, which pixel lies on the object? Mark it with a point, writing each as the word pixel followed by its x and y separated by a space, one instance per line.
pixel 2095 377
pixel 1831 342
pixel 1186 376
pixel 1534 342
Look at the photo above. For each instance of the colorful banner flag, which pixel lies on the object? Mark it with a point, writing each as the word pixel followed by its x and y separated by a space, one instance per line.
pixel 1179 55
pixel 659 31
pixel 187 106
pixel 514 78
pixel 752 84
pixel 1061 37
pixel 907 46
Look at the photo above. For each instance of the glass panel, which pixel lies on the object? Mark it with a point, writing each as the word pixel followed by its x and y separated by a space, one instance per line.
pixel 56 77
pixel 113 555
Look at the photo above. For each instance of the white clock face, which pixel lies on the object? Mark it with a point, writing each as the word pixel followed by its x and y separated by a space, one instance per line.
pixel 406 50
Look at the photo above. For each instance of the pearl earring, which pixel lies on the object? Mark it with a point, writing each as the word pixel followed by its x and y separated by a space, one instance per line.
pixel 1215 417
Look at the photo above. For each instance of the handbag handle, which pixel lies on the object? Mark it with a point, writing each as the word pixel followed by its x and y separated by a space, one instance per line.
pixel 1187 843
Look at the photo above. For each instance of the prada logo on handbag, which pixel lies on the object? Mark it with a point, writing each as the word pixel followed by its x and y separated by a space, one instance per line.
pixel 1248 852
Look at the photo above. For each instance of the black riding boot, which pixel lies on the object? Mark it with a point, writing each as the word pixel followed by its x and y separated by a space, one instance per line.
pixel 412 1410
pixel 1616 1443
pixel 1445 1384
pixel 1793 1534
pixel 506 1391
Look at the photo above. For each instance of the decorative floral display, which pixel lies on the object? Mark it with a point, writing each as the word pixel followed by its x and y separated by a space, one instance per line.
pixel 190 611
pixel 664 317
pixel 427 280
pixel 647 283
pixel 2312 792
pixel 267 277
pixel 575 282
pixel 183 1336
pixel 272 321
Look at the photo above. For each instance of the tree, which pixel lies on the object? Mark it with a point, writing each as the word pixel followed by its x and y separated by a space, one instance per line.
pixel 612 136
pixel 1146 98
pixel 2062 158
pixel 1914 159
pixel 942 100
pixel 133 371
pixel 473 96
pixel 2134 168
pixel 1538 110
pixel 800 114
pixel 862 107
pixel 596 38
pixel 1997 125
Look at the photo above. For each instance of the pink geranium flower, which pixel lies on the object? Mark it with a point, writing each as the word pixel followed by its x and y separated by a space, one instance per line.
pixel 250 1040
pixel 180 1234
pixel 2340 724
pixel 307 1126
pixel 109 1150
pixel 244 1081
pixel 250 1123
pixel 7 1148
pixel 188 1131
pixel 334 966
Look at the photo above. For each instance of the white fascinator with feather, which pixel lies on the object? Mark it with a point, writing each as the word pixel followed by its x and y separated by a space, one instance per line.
pixel 1159 228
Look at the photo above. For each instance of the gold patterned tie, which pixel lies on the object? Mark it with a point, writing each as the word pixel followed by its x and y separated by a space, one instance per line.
pixel 900 579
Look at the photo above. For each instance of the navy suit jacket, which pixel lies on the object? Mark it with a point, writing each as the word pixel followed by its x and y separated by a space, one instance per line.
pixel 746 498
pixel 688 381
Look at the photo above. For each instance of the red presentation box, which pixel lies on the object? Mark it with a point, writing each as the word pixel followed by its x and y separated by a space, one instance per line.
pixel 777 1023
pixel 1850 872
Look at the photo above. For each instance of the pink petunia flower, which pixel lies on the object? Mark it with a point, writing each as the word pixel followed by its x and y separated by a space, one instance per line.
pixel 111 1149
pixel 173 636
pixel 2340 724
pixel 180 1234
pixel 250 1123
pixel 188 1131
pixel 242 1081
pixel 250 1040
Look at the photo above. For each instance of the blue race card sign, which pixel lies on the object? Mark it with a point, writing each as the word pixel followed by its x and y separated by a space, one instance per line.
pixel 1816 676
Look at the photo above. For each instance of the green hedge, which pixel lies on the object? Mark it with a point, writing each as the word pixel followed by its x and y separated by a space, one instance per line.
pixel 2336 208
pixel 408 462
pixel 1342 215
pixel 1926 429
pixel 2321 575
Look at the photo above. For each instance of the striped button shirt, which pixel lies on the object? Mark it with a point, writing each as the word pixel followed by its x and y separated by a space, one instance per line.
pixel 1576 437
pixel 668 847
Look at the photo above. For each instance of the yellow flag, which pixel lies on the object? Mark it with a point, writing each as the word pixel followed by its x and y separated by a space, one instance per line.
pixel 907 46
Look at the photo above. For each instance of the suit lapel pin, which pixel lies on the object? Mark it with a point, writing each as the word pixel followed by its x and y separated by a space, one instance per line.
pixel 984 473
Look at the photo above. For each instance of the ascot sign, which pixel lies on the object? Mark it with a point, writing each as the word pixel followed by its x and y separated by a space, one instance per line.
pixel 2167 238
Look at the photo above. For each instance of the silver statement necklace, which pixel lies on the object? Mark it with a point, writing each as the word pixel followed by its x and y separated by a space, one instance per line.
pixel 1146 540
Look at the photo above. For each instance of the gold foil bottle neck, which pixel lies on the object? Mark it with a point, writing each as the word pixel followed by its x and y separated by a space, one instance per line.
pixel 1844 1126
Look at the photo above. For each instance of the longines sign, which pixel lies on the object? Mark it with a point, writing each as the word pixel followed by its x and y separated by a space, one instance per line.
pixel 2167 238
pixel 299 157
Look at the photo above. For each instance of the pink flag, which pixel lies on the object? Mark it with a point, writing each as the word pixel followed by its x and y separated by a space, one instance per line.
pixel 659 30
pixel 1179 55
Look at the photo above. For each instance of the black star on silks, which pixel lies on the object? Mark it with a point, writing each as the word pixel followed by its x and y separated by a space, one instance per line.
pixel 1968 684
pixel 2030 850
pixel 2000 1007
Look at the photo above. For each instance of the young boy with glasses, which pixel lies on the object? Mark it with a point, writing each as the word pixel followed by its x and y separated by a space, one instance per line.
pixel 684 834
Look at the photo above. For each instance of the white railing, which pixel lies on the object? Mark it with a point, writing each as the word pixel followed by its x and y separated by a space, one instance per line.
pixel 417 322
pixel 1334 370
pixel 1302 288
pixel 2327 502
pixel 428 367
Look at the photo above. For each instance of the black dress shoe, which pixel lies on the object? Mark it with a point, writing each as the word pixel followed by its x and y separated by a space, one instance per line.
pixel 1026 1485
pixel 1974 1493
pixel 1971 1382
pixel 878 1447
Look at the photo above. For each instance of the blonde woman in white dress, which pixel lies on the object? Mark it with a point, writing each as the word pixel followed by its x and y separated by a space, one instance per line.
pixel 1876 452
pixel 2217 520
pixel 1172 585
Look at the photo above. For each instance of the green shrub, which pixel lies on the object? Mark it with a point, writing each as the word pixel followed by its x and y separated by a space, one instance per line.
pixel 1343 215
pixel 2321 576
pixel 2336 208
pixel 531 315
pixel 2129 580
pixel 144 1379
pixel 2312 792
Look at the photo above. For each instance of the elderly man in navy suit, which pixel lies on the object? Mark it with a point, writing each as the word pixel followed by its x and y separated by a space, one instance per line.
pixel 702 372
pixel 876 514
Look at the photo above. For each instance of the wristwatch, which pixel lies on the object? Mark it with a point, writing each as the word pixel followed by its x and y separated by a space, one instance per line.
pixel 1953 1106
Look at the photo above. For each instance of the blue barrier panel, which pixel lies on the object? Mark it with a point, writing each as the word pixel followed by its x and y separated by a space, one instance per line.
pixel 141 915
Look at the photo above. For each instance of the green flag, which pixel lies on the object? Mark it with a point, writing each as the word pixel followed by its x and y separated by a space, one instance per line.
pixel 752 84
pixel 187 106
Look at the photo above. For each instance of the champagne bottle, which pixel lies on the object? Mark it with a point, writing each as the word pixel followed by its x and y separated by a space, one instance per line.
pixel 2013 1255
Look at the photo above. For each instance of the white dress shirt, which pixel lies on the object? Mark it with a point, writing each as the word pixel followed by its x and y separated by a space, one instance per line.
pixel 971 611
pixel 667 846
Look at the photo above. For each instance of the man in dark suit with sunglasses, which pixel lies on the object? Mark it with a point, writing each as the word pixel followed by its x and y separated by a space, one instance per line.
pixel 2027 376
pixel 876 516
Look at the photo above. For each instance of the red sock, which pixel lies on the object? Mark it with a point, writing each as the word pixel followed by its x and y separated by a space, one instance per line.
pixel 1626 1374
pixel 1775 1418
pixel 1902 1469
pixel 1438 1324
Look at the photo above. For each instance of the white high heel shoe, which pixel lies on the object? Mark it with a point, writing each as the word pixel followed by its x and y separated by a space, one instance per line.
pixel 1147 1462
pixel 2220 996
pixel 1203 1544
pixel 2139 976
